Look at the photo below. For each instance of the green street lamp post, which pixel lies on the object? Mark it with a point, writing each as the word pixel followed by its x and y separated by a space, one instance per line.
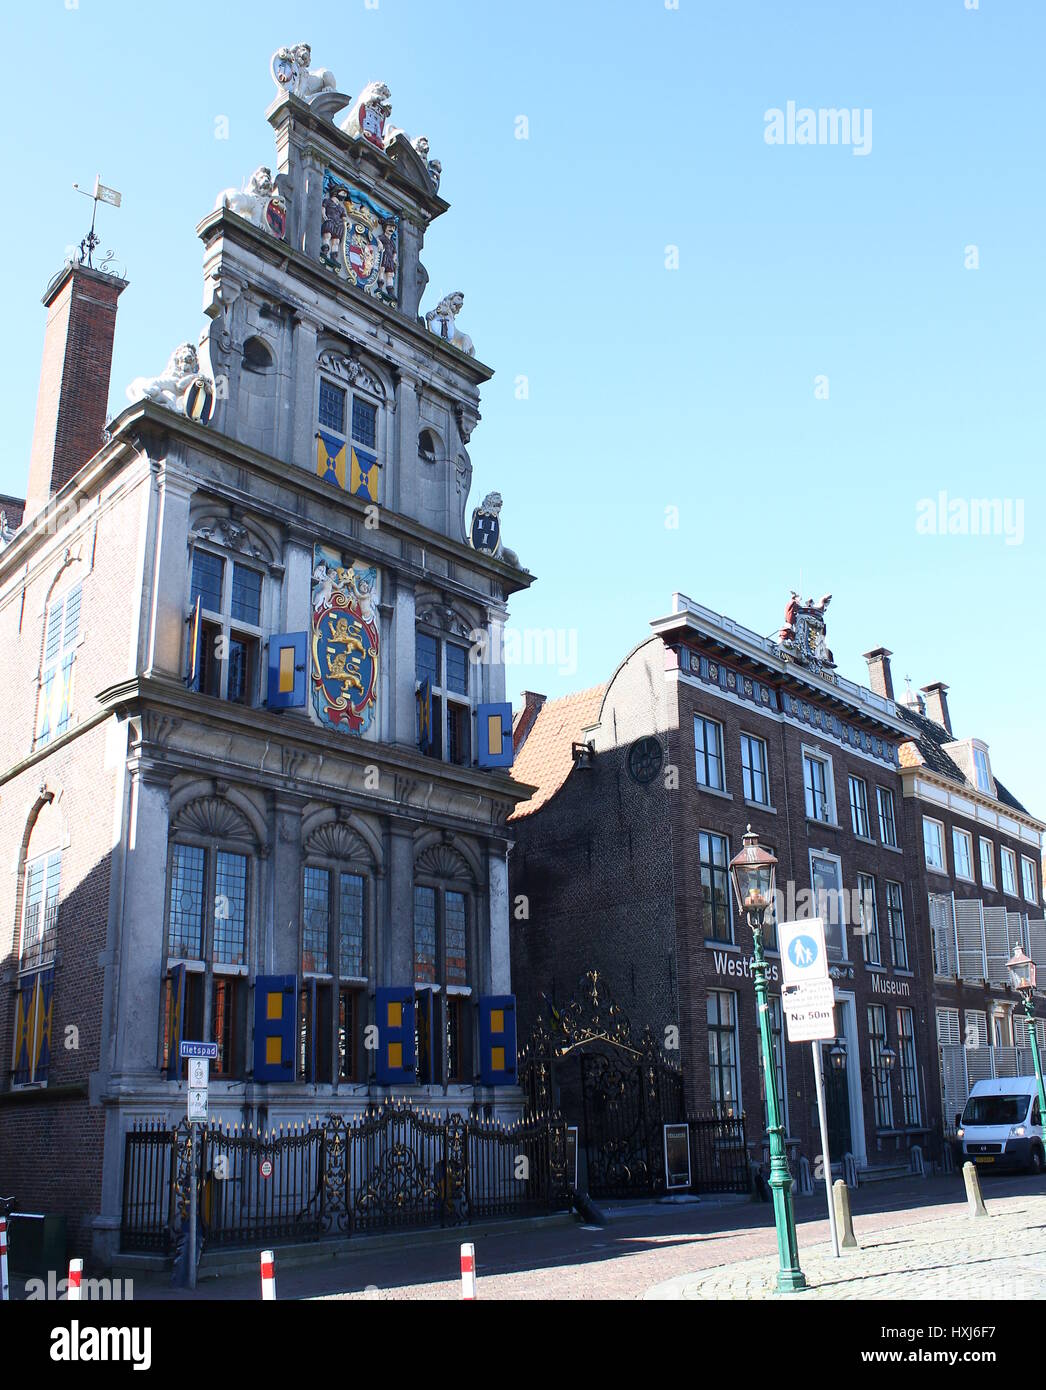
pixel 1022 976
pixel 752 873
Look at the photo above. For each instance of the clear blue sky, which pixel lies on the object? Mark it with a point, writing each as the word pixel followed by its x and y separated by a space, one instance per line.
pixel 648 388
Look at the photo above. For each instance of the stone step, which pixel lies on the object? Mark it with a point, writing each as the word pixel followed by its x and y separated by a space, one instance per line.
pixel 885 1172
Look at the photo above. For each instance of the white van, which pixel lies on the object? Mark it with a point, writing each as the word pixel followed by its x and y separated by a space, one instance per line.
pixel 1001 1126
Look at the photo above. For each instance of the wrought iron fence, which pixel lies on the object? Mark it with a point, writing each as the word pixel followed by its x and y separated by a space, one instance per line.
pixel 719 1154
pixel 391 1168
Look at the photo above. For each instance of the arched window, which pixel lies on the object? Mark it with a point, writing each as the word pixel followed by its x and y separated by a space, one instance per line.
pixel 337 892
pixel 210 891
pixel 257 356
pixel 444 933
pixel 427 447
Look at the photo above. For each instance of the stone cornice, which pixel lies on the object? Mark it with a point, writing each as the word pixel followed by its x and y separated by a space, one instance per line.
pixel 911 776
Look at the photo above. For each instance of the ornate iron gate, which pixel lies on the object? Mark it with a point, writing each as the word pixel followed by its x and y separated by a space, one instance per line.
pixel 629 1089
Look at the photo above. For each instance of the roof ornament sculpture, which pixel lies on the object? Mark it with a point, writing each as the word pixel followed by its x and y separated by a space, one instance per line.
pixel 180 386
pixel 803 638
pixel 258 202
pixel 291 72
pixel 369 114
pixel 445 315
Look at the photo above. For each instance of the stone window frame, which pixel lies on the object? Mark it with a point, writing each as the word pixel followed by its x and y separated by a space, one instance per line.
pixel 226 623
pixel 445 868
pixel 450 629
pixel 242 841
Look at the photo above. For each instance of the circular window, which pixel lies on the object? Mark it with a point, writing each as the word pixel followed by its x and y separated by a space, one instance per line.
pixel 645 759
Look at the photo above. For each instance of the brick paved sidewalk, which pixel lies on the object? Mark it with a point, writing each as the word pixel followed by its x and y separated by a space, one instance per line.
pixel 1000 1257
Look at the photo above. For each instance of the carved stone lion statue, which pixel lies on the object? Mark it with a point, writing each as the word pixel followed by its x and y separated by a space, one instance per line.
pixel 445 313
pixel 377 100
pixel 251 202
pixel 291 72
pixel 168 388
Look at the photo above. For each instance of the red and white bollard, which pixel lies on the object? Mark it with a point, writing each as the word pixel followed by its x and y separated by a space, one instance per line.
pixel 4 1292
pixel 268 1273
pixel 76 1269
pixel 468 1271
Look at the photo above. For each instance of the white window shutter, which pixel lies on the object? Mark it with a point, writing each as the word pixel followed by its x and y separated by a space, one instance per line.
pixel 997 942
pixel 969 928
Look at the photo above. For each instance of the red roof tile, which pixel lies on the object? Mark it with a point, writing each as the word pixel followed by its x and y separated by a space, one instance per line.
pixel 544 761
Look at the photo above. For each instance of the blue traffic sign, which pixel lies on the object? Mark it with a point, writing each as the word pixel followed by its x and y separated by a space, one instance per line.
pixel 198 1049
pixel 803 951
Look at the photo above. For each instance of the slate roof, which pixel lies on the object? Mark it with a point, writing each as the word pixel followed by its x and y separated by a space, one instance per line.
pixel 544 761
pixel 925 750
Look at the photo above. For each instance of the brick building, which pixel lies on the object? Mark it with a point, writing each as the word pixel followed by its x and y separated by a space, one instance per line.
pixel 644 789
pixel 252 786
pixel 982 852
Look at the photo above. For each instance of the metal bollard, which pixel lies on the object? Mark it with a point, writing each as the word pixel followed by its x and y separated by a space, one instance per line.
pixel 973 1191
pixel 268 1276
pixel 76 1270
pixel 468 1271
pixel 843 1218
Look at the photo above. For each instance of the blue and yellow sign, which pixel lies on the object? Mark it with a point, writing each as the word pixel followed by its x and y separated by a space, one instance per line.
pixel 363 474
pixel 330 458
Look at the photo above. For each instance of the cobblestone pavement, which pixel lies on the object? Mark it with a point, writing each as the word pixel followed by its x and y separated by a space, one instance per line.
pixel 952 1257
pixel 651 1245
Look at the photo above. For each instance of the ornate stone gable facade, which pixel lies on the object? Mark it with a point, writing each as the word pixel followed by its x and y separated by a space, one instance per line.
pixel 264 560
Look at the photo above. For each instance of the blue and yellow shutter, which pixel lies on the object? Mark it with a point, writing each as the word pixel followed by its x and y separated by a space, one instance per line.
pixel 23 1028
pixel 173 1022
pixel 288 663
pixel 497 1039
pixel 43 1012
pixel 363 474
pixel 494 735
pixel 394 1006
pixel 274 1020
pixel 330 458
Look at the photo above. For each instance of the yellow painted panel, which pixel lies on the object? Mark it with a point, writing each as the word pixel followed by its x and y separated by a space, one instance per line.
pixel 497 1058
pixel 274 1004
pixel 273 1052
pixel 395 1054
pixel 395 1015
pixel 495 737
pixel 497 1020
pixel 286 670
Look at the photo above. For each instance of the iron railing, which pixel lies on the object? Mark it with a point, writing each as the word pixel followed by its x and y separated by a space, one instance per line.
pixel 719 1154
pixel 391 1168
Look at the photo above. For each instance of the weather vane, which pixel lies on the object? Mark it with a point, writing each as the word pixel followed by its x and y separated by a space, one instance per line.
pixel 101 194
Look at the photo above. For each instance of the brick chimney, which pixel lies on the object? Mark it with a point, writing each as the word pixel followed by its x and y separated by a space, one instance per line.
pixel 532 704
pixel 936 697
pixel 74 378
pixel 879 675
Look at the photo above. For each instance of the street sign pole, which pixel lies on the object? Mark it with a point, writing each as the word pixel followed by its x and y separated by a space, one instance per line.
pixel 826 1158
pixel 192 1205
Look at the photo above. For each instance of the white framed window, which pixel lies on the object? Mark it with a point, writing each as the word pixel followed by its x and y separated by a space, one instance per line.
pixel 895 922
pixel 907 1068
pixel 933 844
pixel 962 854
pixel 777 1036
pixel 231 632
pixel 869 923
pixel 723 1052
pixel 708 753
pixel 859 807
pixel 987 863
pixel 40 897
pixel 754 770
pixel 826 881
pixel 982 770
pixel 887 818
pixel 819 787
pixel 1009 872
pixel 61 639
pixel 714 852
pixel 452 679
pixel 1028 879
pixel 877 1042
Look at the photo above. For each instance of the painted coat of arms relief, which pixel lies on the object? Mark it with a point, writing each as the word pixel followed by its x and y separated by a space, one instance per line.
pixel 345 641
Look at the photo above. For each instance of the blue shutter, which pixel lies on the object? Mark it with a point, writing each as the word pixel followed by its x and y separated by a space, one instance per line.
pixel 395 1017
pixel 426 1062
pixel 274 1018
pixel 287 670
pixel 497 1039
pixel 494 730
pixel 177 1016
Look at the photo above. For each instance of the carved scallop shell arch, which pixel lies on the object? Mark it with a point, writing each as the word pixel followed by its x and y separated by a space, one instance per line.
pixel 214 818
pixel 336 840
pixel 444 862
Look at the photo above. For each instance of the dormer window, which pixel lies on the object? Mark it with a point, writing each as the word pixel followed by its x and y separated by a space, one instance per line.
pixel 982 771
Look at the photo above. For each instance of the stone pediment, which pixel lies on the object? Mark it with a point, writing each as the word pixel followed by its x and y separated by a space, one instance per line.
pixel 410 163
